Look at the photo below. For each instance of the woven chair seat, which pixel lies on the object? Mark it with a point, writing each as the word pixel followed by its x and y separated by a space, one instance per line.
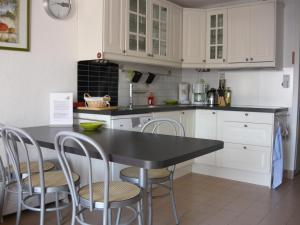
pixel 52 179
pixel 118 191
pixel 133 172
pixel 34 167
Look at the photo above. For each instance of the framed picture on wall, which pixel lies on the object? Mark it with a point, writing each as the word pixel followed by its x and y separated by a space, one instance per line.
pixel 15 25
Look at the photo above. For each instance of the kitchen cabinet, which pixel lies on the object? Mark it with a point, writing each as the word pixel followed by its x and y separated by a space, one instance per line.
pixel 216 33
pixel 252 33
pixel 100 29
pixel 175 31
pixel 194 37
pixel 206 127
pixel 136 33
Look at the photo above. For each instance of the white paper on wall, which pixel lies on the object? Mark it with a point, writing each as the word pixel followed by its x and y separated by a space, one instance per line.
pixel 61 109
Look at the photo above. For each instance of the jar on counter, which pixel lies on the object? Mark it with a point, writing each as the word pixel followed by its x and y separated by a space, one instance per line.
pixel 228 96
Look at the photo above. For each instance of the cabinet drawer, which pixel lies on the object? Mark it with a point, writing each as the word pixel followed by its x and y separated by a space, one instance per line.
pixel 247 133
pixel 249 117
pixel 245 157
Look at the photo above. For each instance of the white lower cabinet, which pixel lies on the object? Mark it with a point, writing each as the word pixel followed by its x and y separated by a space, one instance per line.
pixel 206 127
pixel 248 144
pixel 245 157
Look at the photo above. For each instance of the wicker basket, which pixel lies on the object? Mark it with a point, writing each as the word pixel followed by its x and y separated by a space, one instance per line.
pixel 96 102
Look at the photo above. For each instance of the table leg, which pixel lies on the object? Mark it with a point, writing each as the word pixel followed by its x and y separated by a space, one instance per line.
pixel 146 208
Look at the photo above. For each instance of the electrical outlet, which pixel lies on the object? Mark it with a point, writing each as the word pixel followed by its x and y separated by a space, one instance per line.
pixel 286 81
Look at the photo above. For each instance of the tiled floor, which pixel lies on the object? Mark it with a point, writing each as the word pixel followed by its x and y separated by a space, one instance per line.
pixel 204 200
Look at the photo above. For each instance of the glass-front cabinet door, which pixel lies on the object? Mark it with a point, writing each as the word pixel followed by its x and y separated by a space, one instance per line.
pixel 216 51
pixel 159 28
pixel 136 28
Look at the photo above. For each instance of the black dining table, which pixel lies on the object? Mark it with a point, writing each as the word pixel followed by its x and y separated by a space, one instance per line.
pixel 143 150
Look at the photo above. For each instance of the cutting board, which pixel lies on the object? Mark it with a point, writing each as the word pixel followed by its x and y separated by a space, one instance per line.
pixel 97 109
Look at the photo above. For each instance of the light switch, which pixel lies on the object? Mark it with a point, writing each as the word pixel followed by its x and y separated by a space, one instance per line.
pixel 286 81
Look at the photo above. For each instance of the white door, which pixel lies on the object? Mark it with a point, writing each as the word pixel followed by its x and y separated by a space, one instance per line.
pixel 159 26
pixel 166 129
pixel 239 35
pixel 216 42
pixel 114 21
pixel 263 32
pixel 194 36
pixel 175 37
pixel 187 118
pixel 206 128
pixel 136 28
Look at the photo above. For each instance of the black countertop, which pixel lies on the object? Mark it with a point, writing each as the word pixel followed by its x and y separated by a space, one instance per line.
pixel 164 108
pixel 133 148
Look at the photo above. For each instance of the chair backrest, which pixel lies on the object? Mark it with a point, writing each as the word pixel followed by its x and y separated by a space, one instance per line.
pixel 81 142
pixel 16 142
pixel 155 124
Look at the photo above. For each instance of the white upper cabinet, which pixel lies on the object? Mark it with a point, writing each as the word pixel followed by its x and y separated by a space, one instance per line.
pixel 175 37
pixel 194 37
pixel 159 29
pixel 114 27
pixel 216 42
pixel 263 32
pixel 252 33
pixel 100 28
pixel 136 28
pixel 238 35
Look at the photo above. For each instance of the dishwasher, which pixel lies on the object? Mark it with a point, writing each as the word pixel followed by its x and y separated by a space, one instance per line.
pixel 130 123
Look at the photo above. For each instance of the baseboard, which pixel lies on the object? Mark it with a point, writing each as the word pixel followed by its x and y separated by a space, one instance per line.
pixel 290 174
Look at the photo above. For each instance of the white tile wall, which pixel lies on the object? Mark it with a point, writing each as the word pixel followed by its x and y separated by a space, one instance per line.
pixel 163 87
pixel 251 87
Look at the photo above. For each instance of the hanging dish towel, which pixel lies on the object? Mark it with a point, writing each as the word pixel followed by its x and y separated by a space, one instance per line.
pixel 277 160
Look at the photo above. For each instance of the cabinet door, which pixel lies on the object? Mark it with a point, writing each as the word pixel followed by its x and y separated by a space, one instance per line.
pixel 239 35
pixel 175 37
pixel 188 121
pixel 216 36
pixel 136 27
pixel 245 157
pixel 206 127
pixel 159 29
pixel 263 32
pixel 114 21
pixel 166 129
pixel 194 36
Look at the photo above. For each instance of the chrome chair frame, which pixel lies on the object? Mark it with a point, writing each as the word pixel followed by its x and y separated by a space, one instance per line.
pixel 157 123
pixel 11 136
pixel 77 202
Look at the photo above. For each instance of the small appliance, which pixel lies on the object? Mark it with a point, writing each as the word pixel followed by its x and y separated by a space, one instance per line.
pixel 183 97
pixel 212 97
pixel 199 95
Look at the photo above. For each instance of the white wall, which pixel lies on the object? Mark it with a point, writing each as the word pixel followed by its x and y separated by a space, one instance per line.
pixel 26 79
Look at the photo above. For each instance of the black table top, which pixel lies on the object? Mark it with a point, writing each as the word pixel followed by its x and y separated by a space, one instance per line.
pixel 134 148
pixel 165 108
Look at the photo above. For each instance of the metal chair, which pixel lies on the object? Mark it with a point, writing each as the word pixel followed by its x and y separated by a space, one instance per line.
pixel 34 184
pixel 102 196
pixel 7 175
pixel 157 176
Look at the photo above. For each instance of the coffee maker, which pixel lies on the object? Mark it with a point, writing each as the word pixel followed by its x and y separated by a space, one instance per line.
pixel 199 93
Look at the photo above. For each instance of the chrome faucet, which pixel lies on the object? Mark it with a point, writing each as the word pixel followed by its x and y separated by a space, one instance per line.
pixel 131 96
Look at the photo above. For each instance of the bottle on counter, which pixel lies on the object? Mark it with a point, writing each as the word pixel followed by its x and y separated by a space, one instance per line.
pixel 151 99
pixel 228 96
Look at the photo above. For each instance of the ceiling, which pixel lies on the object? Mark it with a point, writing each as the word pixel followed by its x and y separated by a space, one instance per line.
pixel 202 3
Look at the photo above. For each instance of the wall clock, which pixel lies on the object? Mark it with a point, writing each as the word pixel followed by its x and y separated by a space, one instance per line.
pixel 58 9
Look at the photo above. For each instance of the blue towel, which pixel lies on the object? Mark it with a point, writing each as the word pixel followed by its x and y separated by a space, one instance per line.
pixel 277 160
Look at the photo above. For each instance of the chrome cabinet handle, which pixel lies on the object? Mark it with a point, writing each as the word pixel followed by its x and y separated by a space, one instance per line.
pixel 245 147
pixel 245 125
pixel 246 114
pixel 251 59
pixel 247 59
pixel 214 113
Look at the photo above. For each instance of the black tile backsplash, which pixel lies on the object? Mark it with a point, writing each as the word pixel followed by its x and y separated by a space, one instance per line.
pixel 98 79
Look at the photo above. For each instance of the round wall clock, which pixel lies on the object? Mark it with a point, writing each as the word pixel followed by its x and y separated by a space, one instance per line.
pixel 58 9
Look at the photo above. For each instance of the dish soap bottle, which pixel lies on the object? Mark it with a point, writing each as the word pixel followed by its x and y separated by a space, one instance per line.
pixel 151 99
